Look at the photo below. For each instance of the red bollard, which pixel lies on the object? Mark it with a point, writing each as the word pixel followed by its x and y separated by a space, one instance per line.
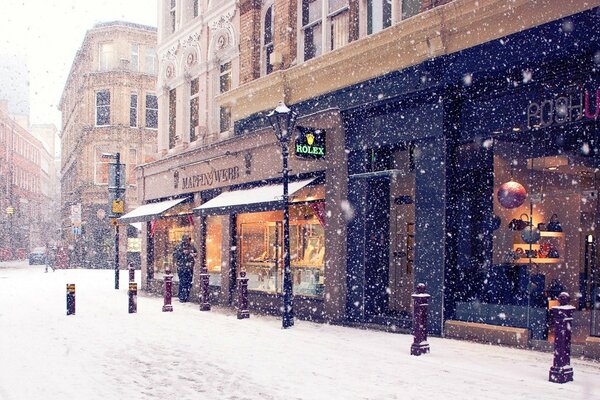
pixel 243 311
pixel 132 297
pixel 168 290
pixel 131 268
pixel 70 299
pixel 204 291
pixel 561 370
pixel 420 304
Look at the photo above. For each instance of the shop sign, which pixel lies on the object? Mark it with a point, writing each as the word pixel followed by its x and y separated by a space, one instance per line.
pixel 310 143
pixel 563 108
pixel 210 178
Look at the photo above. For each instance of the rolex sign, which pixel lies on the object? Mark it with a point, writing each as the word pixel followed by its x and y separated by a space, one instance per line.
pixel 310 143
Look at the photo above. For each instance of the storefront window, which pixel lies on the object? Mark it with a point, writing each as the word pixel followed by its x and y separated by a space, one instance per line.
pixel 525 229
pixel 167 233
pixel 214 241
pixel 261 252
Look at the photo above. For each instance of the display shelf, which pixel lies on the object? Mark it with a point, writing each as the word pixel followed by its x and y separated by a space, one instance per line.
pixel 537 260
pixel 552 234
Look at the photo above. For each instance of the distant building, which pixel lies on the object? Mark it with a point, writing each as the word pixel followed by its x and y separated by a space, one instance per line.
pixel 47 134
pixel 24 202
pixel 109 105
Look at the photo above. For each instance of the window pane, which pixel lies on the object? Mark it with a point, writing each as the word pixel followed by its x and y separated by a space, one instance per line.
pixel 224 119
pixel 312 42
pixel 225 78
pixel 410 8
pixel 311 11
pixel 133 110
pixel 194 120
pixel 150 66
pixel 268 30
pixel 172 117
pixel 194 86
pixel 379 15
pixel 335 5
pixel 103 108
pixel 340 30
pixel 101 174
pixel 105 56
pixel 135 57
pixel 151 111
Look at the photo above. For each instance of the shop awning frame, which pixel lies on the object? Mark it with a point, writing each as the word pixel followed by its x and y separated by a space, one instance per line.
pixel 150 211
pixel 262 198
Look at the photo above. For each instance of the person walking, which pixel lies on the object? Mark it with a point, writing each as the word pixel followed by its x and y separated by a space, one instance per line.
pixel 183 258
pixel 50 258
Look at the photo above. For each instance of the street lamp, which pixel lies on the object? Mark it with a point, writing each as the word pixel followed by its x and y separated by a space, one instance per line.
pixel 283 121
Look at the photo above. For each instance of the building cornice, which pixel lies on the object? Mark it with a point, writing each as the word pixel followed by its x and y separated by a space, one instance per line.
pixel 447 29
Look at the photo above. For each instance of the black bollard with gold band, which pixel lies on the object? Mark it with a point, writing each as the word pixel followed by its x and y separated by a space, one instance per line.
pixel 243 311
pixel 70 299
pixel 132 297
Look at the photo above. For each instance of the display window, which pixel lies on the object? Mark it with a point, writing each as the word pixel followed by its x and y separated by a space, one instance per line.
pixel 214 242
pixel 260 239
pixel 167 233
pixel 524 228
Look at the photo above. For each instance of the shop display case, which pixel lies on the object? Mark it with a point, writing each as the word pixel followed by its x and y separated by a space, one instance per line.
pixel 261 256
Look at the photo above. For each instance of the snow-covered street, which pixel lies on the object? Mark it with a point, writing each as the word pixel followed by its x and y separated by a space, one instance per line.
pixel 105 353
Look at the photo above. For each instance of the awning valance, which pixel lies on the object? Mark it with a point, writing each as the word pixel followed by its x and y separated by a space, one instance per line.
pixel 261 198
pixel 150 211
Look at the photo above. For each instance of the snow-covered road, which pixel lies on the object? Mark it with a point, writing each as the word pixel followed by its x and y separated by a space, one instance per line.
pixel 105 353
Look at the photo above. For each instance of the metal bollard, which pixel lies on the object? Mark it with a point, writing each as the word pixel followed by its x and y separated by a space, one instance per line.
pixel 561 370
pixel 420 304
pixel 70 299
pixel 131 268
pixel 132 297
pixel 168 290
pixel 243 311
pixel 204 292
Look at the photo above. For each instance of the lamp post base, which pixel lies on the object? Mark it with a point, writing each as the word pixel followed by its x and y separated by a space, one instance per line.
pixel 561 374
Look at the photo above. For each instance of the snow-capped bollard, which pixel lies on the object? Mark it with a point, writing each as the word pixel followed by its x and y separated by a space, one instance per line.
pixel 204 292
pixel 243 311
pixel 70 299
pixel 131 269
pixel 420 304
pixel 132 297
pixel 168 290
pixel 561 370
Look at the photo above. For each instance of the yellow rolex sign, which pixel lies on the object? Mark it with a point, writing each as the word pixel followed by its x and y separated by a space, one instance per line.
pixel 310 143
pixel 118 206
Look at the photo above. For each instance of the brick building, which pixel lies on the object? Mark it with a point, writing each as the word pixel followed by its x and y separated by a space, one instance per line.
pixel 108 105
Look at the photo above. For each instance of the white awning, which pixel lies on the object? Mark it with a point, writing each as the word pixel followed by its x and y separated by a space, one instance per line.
pixel 149 211
pixel 255 199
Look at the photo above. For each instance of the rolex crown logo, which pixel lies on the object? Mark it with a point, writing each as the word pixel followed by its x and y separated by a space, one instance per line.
pixel 310 138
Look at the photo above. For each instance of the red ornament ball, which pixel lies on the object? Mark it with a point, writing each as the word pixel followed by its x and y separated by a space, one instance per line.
pixel 511 194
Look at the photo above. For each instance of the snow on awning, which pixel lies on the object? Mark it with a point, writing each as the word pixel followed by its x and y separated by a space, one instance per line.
pixel 149 211
pixel 261 198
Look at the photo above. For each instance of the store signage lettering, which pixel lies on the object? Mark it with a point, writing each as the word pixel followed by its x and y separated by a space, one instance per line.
pixel 210 178
pixel 310 143
pixel 563 109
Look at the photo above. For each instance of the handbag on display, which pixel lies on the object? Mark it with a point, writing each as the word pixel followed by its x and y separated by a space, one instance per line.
pixel 554 224
pixel 553 253
pixel 519 224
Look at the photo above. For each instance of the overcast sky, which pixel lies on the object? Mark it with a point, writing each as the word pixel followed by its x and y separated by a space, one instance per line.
pixel 49 33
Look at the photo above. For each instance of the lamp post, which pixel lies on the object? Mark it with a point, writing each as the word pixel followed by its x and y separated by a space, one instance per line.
pixel 10 210
pixel 116 191
pixel 283 121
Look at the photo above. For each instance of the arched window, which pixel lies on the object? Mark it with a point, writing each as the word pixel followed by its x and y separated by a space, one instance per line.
pixel 267 50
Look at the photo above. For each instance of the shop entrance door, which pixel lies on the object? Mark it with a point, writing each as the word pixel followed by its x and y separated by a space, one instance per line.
pixel 390 235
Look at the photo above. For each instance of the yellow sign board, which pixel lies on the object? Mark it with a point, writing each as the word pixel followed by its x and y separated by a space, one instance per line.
pixel 118 206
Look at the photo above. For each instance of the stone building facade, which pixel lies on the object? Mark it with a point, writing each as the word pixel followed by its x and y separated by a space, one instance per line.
pixel 410 97
pixel 109 105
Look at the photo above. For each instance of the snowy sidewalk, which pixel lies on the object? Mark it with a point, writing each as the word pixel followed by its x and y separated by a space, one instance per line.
pixel 105 353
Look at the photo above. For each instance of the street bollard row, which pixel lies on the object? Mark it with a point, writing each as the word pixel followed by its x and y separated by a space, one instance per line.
pixel 562 315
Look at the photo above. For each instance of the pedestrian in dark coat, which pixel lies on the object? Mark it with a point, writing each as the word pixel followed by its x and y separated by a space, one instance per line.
pixel 183 258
